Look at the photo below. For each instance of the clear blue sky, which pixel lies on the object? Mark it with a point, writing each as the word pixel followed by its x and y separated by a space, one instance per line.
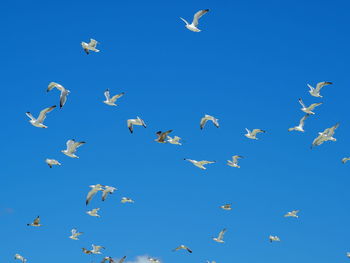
pixel 247 67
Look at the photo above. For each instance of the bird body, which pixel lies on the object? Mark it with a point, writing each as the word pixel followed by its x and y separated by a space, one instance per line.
pixel 93 192
pixel 72 146
pixel 21 258
pixel 193 26
pixel 127 200
pixel 274 238
pixel 38 122
pixel 316 91
pixel 91 46
pixel 252 134
pixel 292 214
pixel 234 162
pixel 162 136
pixel 64 92
pixel 36 222
pixel 345 159
pixel 94 212
pixel 175 140
pixel 107 190
pixel 308 110
pixel 226 207
pixel 137 121
pixel 111 101
pixel 208 118
pixel 200 164
pixel 326 135
pixel 220 238
pixel 52 162
pixel 75 234
pixel 96 249
pixel 300 127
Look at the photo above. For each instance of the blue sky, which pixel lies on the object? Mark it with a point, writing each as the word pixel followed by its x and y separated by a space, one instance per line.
pixel 247 67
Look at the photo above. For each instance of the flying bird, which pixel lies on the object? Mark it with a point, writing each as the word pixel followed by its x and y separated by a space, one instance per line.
pixel 300 127
pixel 199 164
pixel 91 46
pixel 132 122
pixel 21 258
pixel 39 121
pixel 226 207
pixel 72 146
pixel 93 192
pixel 293 213
pixel 182 247
pixel 64 92
pixel 127 200
pixel 162 136
pixel 252 135
pixel 316 91
pixel 308 110
pixel 153 260
pixel 220 238
pixel 208 118
pixel 345 159
pixel 106 191
pixel 109 259
pixel 111 101
pixel 194 24
pixel 234 162
pixel 274 239
pixel 36 222
pixel 326 135
pixel 94 212
pixel 75 234
pixel 96 249
pixel 51 162
pixel 175 140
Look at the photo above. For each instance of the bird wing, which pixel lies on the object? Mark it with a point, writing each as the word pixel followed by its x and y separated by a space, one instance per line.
pixel 37 221
pixel 255 131
pixel 30 115
pixel 222 233
pixel 301 103
pixel 130 125
pixel 203 122
pixel 93 43
pixel 122 259
pixel 63 97
pixel 106 93
pixel 198 15
pixel 314 105
pixel 90 195
pixel 302 120
pixel 43 113
pixel 75 145
pixel 205 162
pixel 320 85
pixel 115 97
pixel 184 21
pixel 331 130
pixel 53 85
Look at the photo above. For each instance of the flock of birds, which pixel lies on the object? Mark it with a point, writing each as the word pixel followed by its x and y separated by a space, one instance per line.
pixel 163 137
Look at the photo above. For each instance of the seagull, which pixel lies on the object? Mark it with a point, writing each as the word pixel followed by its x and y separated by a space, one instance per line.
pixel 21 258
pixel 72 146
pixel 111 101
pixel 326 135
pixel 292 214
pixel 234 162
pixel 175 140
pixel 208 118
pixel 94 212
pixel 153 260
pixel 86 251
pixel 64 92
pixel 121 260
pixel 91 46
pixel 51 162
pixel 92 192
pixel 75 234
pixel 107 190
pixel 200 164
pixel 252 135
pixel 109 259
pixel 274 238
pixel 309 109
pixel 316 91
pixel 96 249
pixel 127 200
pixel 194 24
pixel 132 122
pixel 344 160
pixel 39 121
pixel 162 136
pixel 300 127
pixel 220 237
pixel 226 207
pixel 182 247
pixel 36 222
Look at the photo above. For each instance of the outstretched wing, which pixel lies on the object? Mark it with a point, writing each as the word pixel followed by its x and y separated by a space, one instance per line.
pixel 203 122
pixel 222 233
pixel 320 85
pixel 43 113
pixel 255 131
pixel 314 105
pixel 198 15
pixel 302 120
pixel 115 97
pixel 106 93
pixel 122 259
pixel 93 43
pixel 53 85
pixel 301 103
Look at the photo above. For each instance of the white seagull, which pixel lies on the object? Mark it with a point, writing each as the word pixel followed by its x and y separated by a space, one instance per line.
pixel 316 91
pixel 93 192
pixel 96 249
pixel 293 213
pixel 39 121
pixel 194 24
pixel 220 238
pixel 51 162
pixel 106 191
pixel 75 234
pixel 91 46
pixel 300 127
pixel 345 159
pixel 308 110
pixel 226 207
pixel 127 200
pixel 94 212
pixel 36 222
pixel 209 118
pixel 21 258
pixel 199 164
pixel 234 162
pixel 326 135
pixel 64 92
pixel 182 247
pixel 132 122
pixel 252 134
pixel 274 238
pixel 111 101
pixel 72 146
pixel 175 140
pixel 153 260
